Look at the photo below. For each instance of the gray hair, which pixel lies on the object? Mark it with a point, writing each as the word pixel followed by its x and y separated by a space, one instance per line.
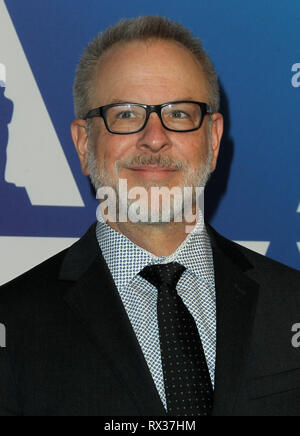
pixel 138 29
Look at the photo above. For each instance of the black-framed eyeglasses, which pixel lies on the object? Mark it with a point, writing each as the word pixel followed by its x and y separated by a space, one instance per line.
pixel 127 118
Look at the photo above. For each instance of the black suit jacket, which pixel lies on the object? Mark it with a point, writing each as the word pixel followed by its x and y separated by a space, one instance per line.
pixel 71 349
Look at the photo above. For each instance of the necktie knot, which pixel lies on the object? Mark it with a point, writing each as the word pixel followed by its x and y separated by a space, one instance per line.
pixel 163 275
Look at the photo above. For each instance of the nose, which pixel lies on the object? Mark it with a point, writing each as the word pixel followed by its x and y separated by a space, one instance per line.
pixel 154 136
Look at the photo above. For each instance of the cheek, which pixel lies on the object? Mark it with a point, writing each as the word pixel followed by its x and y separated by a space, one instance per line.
pixel 110 148
pixel 194 152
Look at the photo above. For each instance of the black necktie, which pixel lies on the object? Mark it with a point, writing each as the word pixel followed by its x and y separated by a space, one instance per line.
pixel 187 381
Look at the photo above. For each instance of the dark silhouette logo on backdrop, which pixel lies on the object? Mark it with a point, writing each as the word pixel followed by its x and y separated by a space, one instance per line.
pixel 6 112
pixel 11 196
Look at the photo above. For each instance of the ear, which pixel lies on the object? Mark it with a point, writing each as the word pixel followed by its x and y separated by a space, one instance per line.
pixel 216 136
pixel 79 134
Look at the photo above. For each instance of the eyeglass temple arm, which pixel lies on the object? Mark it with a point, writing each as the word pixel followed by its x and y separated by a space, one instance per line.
pixel 93 113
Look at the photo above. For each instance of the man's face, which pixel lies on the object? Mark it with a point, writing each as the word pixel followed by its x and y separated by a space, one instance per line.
pixel 153 72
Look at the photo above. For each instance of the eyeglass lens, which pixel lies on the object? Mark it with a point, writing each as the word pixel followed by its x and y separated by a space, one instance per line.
pixel 130 117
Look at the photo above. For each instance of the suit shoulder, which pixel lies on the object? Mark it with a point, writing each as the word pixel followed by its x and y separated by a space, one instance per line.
pixel 44 280
pixel 39 277
pixel 261 266
pixel 265 263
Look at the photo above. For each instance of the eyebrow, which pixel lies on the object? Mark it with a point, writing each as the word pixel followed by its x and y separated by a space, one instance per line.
pixel 120 101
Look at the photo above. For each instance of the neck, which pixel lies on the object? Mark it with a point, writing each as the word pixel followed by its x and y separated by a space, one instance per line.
pixel 158 239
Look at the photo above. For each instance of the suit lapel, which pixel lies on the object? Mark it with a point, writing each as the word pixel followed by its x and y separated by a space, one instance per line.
pixel 95 301
pixel 236 296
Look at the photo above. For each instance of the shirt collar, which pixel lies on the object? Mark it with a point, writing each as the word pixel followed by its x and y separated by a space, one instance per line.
pixel 125 259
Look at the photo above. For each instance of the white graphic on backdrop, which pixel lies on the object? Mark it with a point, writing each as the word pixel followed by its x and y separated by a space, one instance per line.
pixel 18 255
pixel 260 247
pixel 296 77
pixel 2 76
pixel 35 159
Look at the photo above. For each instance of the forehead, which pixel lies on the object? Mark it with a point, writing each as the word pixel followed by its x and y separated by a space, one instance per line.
pixel 150 72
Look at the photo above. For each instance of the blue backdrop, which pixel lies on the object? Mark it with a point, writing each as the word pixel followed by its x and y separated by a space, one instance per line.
pixel 254 195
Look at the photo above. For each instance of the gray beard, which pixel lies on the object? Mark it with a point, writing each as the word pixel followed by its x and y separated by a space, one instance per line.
pixel 100 178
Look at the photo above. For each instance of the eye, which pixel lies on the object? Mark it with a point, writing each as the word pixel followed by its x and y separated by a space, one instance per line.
pixel 178 115
pixel 126 115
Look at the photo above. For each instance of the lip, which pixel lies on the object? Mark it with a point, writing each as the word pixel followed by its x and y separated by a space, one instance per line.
pixel 152 172
pixel 151 168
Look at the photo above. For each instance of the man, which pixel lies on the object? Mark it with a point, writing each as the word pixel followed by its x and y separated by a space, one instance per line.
pixel 145 317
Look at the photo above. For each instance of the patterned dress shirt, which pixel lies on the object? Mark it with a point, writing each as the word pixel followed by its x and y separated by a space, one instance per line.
pixel 196 287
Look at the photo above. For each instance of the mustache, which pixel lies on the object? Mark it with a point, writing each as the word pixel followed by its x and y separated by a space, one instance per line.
pixel 163 161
